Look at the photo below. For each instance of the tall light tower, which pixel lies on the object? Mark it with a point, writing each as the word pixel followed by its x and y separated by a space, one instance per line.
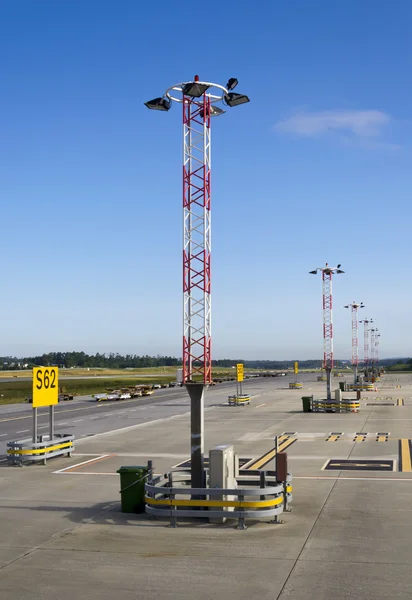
pixel 327 273
pixel 377 336
pixel 355 356
pixel 372 348
pixel 366 342
pixel 199 100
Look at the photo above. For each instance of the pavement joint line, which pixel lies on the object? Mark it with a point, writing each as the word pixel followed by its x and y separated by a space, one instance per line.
pixel 85 462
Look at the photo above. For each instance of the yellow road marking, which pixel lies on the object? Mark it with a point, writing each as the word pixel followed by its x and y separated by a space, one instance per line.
pixel 400 402
pixel 333 438
pixel 257 464
pixel 405 456
pixel 360 438
pixel 382 438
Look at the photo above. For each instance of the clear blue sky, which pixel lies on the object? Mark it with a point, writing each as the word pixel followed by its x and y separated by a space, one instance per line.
pixel 316 168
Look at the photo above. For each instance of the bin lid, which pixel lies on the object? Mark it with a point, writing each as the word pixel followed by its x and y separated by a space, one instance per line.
pixel 132 469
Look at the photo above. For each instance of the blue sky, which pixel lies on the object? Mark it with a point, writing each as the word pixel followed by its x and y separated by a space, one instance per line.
pixel 315 169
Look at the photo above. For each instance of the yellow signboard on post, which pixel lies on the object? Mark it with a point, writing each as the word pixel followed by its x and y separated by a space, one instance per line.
pixel 45 386
pixel 296 368
pixel 239 372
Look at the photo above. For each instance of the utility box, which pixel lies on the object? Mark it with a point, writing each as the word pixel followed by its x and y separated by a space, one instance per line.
pixel 338 396
pixel 179 376
pixel 222 474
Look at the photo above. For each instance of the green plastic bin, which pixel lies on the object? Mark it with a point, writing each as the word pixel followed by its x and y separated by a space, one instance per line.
pixel 132 482
pixel 306 400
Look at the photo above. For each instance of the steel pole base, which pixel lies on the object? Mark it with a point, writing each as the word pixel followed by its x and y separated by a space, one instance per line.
pixel 196 393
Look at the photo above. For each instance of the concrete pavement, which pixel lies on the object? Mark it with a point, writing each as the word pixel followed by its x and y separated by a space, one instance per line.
pixel 347 537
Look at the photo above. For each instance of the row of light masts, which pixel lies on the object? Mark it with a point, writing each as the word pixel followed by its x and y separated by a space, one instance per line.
pixel 370 361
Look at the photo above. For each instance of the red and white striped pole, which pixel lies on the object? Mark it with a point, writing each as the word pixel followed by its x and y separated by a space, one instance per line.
pixel 327 305
pixel 355 353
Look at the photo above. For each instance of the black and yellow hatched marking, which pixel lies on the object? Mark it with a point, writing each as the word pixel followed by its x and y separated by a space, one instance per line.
pixel 382 437
pixel 405 455
pixel 333 437
pixel 359 465
pixel 256 464
pixel 360 437
pixel 400 402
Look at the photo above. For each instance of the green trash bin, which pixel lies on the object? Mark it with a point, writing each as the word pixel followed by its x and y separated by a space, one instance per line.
pixel 132 482
pixel 306 400
pixel 342 386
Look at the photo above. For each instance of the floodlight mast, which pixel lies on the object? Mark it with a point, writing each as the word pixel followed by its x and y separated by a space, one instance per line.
pixel 327 273
pixel 355 343
pixel 198 100
pixel 366 343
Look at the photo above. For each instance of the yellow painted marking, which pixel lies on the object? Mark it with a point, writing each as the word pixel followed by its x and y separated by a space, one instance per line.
pixel 269 455
pixel 382 438
pixel 42 450
pixel 360 438
pixel 400 402
pixel 405 456
pixel 216 503
pixel 333 438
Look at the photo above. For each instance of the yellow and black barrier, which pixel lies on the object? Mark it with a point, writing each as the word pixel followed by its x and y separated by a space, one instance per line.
pixel 28 451
pixel 239 400
pixel 168 498
pixel 295 385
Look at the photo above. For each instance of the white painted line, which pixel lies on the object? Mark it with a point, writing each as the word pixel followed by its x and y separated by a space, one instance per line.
pixel 80 473
pixel 259 405
pixel 3 434
pixel 62 423
pixel 77 420
pixel 85 462
pixel 22 431
pixel 337 478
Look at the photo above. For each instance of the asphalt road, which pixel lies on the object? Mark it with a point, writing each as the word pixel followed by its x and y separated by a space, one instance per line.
pixel 84 417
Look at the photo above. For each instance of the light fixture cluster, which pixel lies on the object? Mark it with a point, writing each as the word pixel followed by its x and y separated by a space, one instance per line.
pixel 196 89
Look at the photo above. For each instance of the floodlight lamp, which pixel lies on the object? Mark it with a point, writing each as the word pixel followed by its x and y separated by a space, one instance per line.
pixel 159 104
pixel 339 266
pixel 232 83
pixel 346 306
pixel 215 111
pixel 338 271
pixel 313 272
pixel 195 89
pixel 233 99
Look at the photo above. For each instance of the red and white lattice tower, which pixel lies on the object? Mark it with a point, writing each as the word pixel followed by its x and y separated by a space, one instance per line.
pixel 366 341
pixel 197 334
pixel 327 273
pixel 372 353
pixel 355 344
pixel 327 319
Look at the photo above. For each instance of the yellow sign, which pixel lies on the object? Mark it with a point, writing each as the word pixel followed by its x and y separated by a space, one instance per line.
pixel 296 368
pixel 45 386
pixel 239 372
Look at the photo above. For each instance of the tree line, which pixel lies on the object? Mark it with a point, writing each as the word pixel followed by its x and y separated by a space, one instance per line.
pixel 118 361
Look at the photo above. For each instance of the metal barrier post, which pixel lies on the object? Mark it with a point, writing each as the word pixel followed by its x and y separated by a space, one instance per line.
pixel 173 509
pixel 51 421
pixel 262 483
pixel 241 525
pixel 34 425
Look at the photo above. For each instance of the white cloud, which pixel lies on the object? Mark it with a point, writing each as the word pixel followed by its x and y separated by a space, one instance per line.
pixel 364 123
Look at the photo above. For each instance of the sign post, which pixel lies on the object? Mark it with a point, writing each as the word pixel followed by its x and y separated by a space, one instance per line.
pixel 296 370
pixel 239 379
pixel 45 393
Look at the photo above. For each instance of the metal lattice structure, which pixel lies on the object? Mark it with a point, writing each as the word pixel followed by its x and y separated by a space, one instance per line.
pixel 366 341
pixel 197 330
pixel 372 347
pixel 327 319
pixel 327 306
pixel 199 101
pixel 355 338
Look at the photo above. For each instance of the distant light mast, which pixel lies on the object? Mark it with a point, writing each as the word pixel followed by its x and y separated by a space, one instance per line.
pixel 355 343
pixel 327 273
